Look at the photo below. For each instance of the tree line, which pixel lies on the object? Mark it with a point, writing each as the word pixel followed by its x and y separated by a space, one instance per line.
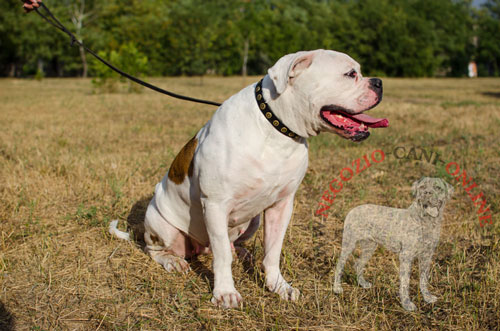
pixel 407 38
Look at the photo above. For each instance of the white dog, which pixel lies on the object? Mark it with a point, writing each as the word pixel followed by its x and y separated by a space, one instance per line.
pixel 412 232
pixel 250 158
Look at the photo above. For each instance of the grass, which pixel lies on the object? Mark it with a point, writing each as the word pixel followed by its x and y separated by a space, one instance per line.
pixel 71 161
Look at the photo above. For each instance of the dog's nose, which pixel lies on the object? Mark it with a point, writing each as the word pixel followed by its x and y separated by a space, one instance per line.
pixel 376 82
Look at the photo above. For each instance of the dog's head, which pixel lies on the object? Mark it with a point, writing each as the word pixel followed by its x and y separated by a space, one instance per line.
pixel 431 195
pixel 325 91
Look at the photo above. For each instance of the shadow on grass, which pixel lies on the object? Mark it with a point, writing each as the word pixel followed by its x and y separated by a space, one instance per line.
pixel 201 270
pixel 6 319
pixel 135 219
pixel 245 256
pixel 491 94
pixel 252 269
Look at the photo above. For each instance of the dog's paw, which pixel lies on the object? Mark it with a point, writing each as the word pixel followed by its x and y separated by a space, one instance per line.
pixel 337 289
pixel 429 298
pixel 175 264
pixel 282 288
pixel 408 305
pixel 226 299
pixel 364 283
pixel 288 293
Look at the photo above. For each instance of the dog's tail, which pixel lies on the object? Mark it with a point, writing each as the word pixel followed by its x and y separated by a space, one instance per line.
pixel 113 229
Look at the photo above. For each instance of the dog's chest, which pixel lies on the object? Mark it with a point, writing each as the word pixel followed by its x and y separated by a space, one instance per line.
pixel 263 181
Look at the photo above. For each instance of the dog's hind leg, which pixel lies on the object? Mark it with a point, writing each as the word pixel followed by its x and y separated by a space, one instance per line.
pixel 166 257
pixel 367 249
pixel 348 245
pixel 164 243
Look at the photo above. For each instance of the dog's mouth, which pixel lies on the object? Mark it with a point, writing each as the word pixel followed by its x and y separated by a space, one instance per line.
pixel 354 126
pixel 432 209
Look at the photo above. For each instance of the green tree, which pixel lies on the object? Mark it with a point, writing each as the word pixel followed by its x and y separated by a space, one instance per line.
pixel 195 37
pixel 488 39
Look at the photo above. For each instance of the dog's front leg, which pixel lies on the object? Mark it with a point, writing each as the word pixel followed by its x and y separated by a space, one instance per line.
pixel 405 260
pixel 424 261
pixel 276 219
pixel 216 219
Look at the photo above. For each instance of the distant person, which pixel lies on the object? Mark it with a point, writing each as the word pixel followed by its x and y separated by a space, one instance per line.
pixel 472 69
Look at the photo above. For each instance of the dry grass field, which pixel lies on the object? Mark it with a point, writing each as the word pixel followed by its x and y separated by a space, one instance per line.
pixel 72 160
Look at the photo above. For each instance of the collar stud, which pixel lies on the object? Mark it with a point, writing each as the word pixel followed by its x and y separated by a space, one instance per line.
pixel 269 115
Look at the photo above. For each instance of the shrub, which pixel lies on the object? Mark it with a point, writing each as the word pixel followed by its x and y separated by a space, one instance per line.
pixel 129 59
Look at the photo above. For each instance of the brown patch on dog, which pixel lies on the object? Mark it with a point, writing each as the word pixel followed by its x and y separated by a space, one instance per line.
pixel 182 164
pixel 155 240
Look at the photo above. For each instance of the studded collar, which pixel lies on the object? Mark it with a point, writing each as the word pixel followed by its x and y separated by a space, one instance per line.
pixel 269 115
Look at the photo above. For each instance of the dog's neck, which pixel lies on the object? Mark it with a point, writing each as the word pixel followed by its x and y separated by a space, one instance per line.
pixel 430 227
pixel 270 116
pixel 288 109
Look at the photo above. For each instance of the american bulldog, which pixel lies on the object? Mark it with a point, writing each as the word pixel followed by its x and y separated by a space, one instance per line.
pixel 250 158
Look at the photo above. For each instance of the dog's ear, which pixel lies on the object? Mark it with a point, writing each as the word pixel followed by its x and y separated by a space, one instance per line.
pixel 449 188
pixel 288 68
pixel 414 187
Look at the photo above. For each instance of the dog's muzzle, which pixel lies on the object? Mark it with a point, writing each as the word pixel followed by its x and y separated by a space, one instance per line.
pixel 360 136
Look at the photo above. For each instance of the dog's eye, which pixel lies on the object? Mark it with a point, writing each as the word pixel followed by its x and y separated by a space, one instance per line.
pixel 351 74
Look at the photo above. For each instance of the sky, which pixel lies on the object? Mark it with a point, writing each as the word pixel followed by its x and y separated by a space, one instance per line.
pixel 478 3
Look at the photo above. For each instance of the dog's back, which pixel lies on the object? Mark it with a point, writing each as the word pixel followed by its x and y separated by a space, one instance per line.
pixel 390 227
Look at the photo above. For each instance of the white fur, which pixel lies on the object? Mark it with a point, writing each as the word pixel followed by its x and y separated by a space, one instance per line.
pixel 243 166
pixel 113 230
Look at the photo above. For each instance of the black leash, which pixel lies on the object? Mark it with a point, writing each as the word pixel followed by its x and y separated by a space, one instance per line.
pixel 55 23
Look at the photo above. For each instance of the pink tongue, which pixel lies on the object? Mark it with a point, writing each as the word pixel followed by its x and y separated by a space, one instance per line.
pixel 371 121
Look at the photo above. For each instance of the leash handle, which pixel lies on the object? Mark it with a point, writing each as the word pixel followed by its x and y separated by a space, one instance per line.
pixel 30 5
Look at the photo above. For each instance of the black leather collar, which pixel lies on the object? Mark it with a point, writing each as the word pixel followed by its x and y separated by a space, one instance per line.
pixel 269 115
